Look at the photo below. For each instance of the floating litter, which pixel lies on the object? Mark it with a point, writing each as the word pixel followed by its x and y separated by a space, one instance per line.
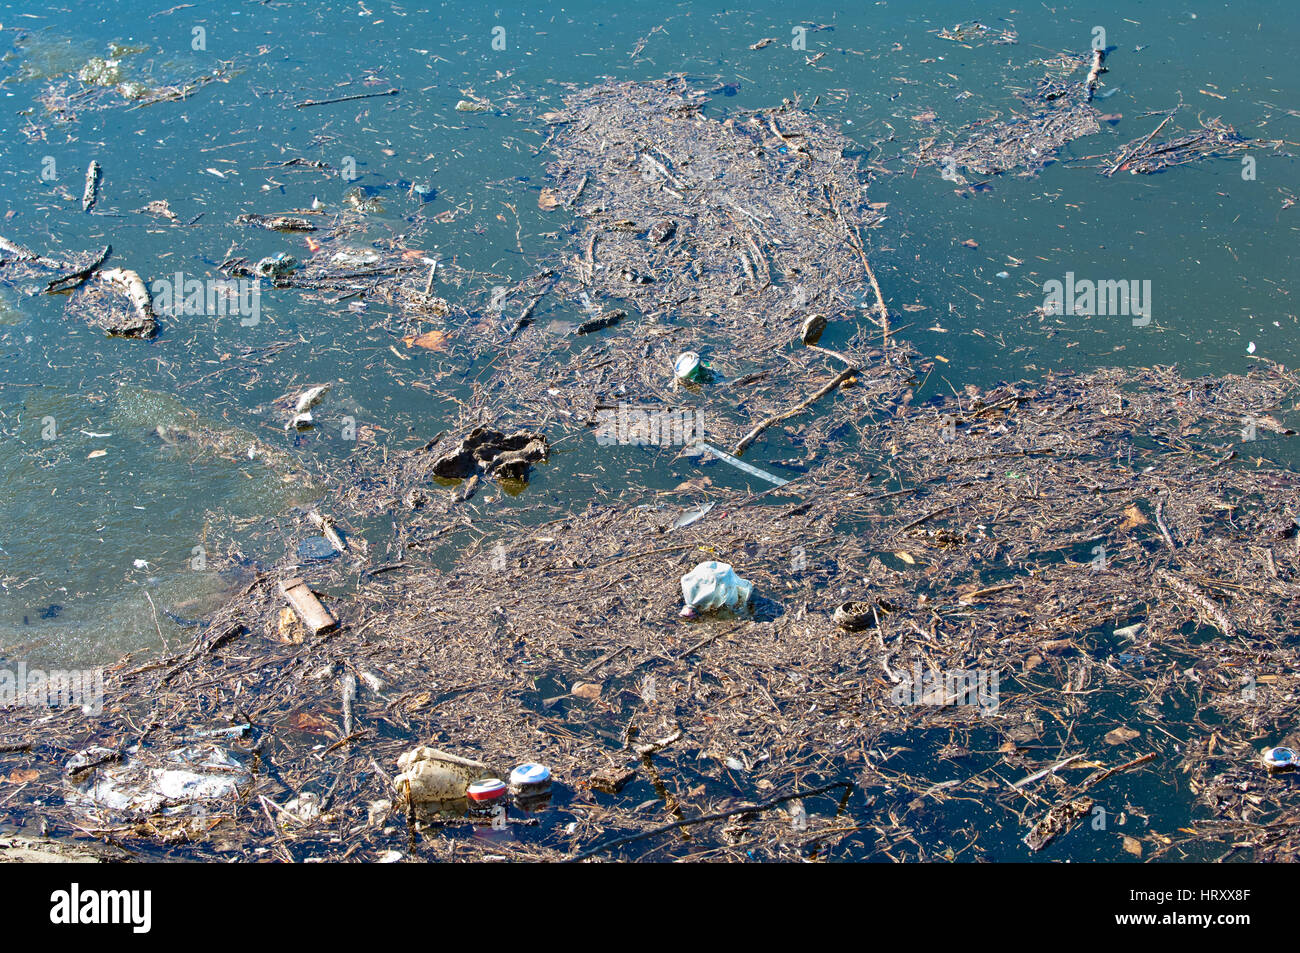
pixel 487 791
pixel 688 366
pixel 528 779
pixel 1279 757
pixel 316 547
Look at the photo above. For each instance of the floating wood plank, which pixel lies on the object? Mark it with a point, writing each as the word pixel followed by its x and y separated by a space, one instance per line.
pixel 314 615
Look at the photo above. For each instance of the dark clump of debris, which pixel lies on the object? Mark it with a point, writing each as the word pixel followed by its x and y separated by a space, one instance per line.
pixel 490 451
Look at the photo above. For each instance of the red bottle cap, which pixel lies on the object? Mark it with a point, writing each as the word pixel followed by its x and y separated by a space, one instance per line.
pixel 488 789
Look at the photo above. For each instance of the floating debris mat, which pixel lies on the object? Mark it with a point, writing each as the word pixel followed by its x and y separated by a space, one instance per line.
pixel 1215 139
pixel 104 83
pixel 115 300
pixel 386 272
pixel 1028 143
pixel 744 225
pixel 975 33
pixel 1087 547
pixel 740 239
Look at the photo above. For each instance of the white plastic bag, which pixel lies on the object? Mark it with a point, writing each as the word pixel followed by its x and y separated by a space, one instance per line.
pixel 712 585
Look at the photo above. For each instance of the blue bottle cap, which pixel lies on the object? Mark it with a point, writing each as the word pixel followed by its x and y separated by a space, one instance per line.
pixel 1279 757
pixel 528 775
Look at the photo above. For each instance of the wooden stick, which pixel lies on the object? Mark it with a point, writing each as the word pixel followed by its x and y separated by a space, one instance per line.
pixel 525 314
pixel 275 830
pixel 855 242
pixel 1142 759
pixel 822 391
pixel 1160 522
pixel 343 99
pixel 23 253
pixel 349 688
pixel 578 193
pixel 1045 772
pixel 91 194
pixel 326 526
pixel 135 289
pixel 1095 72
pixel 1211 609
pixel 78 277
pixel 1154 133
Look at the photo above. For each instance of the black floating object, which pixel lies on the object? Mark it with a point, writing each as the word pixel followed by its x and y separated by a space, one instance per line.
pixel 316 547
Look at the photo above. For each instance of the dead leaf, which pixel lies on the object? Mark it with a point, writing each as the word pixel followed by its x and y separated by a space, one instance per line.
pixel 906 557
pixel 1056 646
pixel 288 628
pixel 1132 517
pixel 23 775
pixel 306 721
pixel 588 690
pixel 548 200
pixel 97 453
pixel 429 340
pixel 971 243
pixel 696 485
pixel 1120 735
pixel 1133 845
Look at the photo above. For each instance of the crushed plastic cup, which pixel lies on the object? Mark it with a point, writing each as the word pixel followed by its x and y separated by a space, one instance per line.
pixel 688 366
pixel 713 585
pixel 191 780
